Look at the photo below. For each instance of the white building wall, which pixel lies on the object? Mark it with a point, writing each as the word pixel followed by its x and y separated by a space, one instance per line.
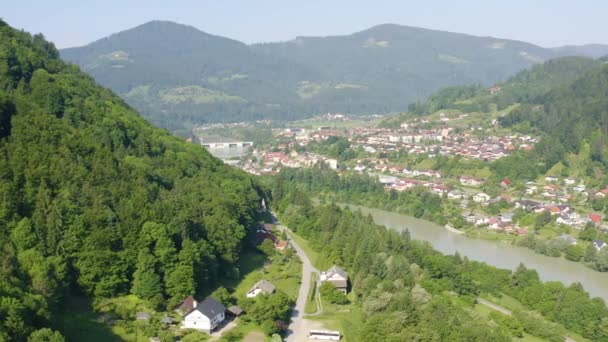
pixel 196 320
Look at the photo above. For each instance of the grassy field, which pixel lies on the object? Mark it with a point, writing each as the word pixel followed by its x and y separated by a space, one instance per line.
pixel 311 304
pixel 283 272
pixel 348 319
pixel 485 234
pixel 109 320
pixel 78 319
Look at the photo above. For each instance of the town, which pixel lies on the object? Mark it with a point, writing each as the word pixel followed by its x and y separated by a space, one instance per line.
pixel 378 152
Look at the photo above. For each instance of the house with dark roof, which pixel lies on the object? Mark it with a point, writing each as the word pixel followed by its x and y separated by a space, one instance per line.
pixel 599 244
pixel 262 286
pixel 337 276
pixel 206 316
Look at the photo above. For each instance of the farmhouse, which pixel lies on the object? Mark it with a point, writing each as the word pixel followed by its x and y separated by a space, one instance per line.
pixel 262 286
pixel 337 276
pixel 205 316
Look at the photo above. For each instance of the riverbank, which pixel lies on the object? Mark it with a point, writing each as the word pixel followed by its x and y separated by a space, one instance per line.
pixel 503 255
pixel 453 230
pixel 541 244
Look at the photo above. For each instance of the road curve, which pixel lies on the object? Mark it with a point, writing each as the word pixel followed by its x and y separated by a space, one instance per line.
pixel 297 331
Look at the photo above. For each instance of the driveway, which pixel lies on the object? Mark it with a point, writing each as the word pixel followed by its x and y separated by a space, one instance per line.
pixel 298 327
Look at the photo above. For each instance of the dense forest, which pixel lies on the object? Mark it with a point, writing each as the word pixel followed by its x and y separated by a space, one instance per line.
pixel 570 117
pixel 525 86
pixel 95 201
pixel 410 292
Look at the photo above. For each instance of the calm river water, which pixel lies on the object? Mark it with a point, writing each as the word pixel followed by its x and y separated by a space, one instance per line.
pixel 493 253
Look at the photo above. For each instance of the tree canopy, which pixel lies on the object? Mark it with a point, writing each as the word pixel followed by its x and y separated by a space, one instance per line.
pixel 95 200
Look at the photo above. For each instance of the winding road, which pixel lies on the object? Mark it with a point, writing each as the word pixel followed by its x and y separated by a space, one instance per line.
pixel 298 327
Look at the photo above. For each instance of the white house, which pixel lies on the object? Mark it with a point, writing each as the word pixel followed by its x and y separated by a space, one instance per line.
pixel 551 179
pixel 337 276
pixel 261 286
pixel 206 316
pixel 455 195
pixel 470 181
pixel 360 168
pixel 481 197
pixel 599 245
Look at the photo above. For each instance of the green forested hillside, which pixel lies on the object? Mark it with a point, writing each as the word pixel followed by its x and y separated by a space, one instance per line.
pixel 522 87
pixel 571 116
pixel 96 201
pixel 379 70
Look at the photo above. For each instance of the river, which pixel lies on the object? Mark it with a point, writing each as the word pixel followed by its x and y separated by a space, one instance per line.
pixel 494 253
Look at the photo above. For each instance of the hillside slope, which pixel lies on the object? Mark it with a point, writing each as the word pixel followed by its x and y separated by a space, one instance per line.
pixel 94 200
pixel 573 117
pixel 178 76
pixel 563 100
pixel 588 50
pixel 523 87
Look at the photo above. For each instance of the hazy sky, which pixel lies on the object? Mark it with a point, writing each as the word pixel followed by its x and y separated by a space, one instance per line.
pixel 544 22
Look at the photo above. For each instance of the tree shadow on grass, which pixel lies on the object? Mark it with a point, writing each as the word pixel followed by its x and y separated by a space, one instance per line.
pixel 78 322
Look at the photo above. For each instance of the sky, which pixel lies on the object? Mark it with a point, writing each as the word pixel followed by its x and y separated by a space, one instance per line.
pixel 547 23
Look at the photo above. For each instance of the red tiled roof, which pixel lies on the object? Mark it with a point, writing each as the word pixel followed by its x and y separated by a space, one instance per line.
pixel 595 218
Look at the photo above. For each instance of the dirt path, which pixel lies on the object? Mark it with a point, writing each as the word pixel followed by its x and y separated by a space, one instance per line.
pixel 509 313
pixel 298 327
pixel 494 306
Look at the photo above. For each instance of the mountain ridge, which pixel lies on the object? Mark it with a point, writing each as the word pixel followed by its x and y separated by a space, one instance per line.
pixel 374 71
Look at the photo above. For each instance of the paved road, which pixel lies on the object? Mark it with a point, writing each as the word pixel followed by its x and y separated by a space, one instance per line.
pixel 297 327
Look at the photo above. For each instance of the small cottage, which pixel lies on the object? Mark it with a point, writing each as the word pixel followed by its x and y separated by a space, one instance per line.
pixel 599 245
pixel 337 276
pixel 262 286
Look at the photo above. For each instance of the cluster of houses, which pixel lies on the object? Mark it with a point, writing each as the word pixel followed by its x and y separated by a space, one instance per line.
pixel 555 190
pixel 207 315
pixel 502 222
pixel 566 215
pixel 272 162
pixel 441 141
pixel 404 184
pixel 414 137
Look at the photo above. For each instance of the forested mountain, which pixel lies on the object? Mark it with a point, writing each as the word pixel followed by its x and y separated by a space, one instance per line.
pixel 177 75
pixel 523 87
pixel 573 117
pixel 96 201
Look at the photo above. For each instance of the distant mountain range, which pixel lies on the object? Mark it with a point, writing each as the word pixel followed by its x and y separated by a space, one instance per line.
pixel 177 75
